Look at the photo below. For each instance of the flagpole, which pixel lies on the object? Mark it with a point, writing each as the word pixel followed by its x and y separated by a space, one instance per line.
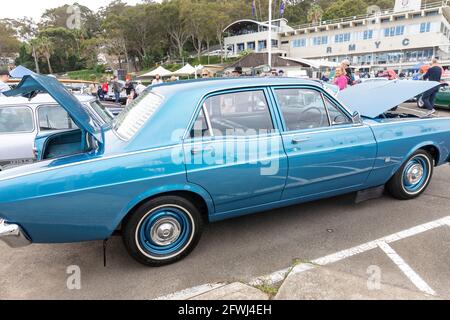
pixel 269 38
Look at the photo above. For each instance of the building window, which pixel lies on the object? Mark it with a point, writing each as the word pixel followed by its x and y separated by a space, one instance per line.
pixel 431 13
pixel 262 44
pixel 274 43
pixel 343 37
pixel 425 27
pixel 297 43
pixel 240 47
pixel 251 46
pixel 368 34
pixel 394 31
pixel 317 41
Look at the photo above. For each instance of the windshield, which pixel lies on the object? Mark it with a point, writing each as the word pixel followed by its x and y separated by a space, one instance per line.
pixel 135 115
pixel 101 111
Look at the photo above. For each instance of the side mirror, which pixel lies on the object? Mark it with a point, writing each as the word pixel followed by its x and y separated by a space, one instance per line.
pixel 356 117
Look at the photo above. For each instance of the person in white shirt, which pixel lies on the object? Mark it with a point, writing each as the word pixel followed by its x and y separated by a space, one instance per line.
pixel 140 88
pixel 4 77
pixel 157 80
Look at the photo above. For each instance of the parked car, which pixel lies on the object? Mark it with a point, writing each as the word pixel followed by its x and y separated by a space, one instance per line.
pixel 207 150
pixel 442 97
pixel 21 120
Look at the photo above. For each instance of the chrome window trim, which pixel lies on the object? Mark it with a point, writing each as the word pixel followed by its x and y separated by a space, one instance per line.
pixel 324 129
pixel 330 124
pixel 208 119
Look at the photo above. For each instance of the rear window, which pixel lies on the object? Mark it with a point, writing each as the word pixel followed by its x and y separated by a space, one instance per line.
pixel 134 116
pixel 16 119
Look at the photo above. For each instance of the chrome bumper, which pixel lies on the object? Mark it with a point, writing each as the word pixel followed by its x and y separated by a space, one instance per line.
pixel 13 235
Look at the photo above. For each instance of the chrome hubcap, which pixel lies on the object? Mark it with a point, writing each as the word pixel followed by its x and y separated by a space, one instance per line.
pixel 165 231
pixel 414 174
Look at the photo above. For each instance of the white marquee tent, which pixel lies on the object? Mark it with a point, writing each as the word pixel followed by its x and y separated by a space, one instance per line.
pixel 160 70
pixel 188 70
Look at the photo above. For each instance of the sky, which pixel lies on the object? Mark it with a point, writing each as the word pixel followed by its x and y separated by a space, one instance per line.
pixel 35 8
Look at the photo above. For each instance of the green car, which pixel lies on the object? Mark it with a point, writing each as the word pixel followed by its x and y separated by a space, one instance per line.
pixel 442 97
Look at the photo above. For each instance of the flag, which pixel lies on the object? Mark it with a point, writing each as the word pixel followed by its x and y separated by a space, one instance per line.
pixel 282 8
pixel 254 8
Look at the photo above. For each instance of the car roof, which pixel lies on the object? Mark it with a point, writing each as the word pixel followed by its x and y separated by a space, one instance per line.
pixel 39 99
pixel 204 86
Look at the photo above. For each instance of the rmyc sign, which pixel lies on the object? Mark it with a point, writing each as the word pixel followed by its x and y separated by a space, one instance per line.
pixel 352 46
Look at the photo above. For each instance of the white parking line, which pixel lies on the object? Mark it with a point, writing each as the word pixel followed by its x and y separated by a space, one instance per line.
pixel 344 254
pixel 280 275
pixel 406 269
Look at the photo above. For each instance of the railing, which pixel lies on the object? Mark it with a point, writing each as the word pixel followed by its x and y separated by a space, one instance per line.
pixel 386 12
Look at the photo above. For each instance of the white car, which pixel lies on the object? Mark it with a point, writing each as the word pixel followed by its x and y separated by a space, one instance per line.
pixel 21 120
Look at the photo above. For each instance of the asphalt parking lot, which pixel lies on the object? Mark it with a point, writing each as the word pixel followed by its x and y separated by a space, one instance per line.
pixel 248 247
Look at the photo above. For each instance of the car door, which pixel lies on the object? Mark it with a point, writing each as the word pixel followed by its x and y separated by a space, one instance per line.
pixel 234 152
pixel 327 152
pixel 17 133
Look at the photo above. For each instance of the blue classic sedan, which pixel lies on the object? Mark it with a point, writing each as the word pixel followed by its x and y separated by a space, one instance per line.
pixel 195 151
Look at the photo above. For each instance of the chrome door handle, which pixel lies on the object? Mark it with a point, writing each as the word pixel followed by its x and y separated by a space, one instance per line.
pixel 297 140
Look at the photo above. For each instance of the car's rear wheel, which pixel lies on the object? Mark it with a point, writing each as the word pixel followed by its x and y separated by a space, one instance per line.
pixel 162 231
pixel 413 177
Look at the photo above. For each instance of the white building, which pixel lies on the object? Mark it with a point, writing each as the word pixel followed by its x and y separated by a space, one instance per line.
pixel 400 38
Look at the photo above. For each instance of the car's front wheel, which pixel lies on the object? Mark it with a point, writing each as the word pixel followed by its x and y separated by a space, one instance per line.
pixel 413 177
pixel 162 231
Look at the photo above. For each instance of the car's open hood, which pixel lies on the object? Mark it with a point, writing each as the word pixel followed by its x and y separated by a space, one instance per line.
pixel 31 84
pixel 371 99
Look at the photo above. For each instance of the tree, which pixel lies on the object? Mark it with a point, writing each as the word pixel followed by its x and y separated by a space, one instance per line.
pixel 176 25
pixel 45 47
pixel 8 41
pixel 33 50
pixel 315 13
pixel 345 8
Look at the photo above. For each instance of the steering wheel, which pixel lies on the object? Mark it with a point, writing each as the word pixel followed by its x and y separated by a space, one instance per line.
pixel 317 110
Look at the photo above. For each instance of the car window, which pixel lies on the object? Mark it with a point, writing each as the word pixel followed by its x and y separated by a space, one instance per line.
pixel 54 118
pixel 16 119
pixel 236 114
pixel 336 115
pixel 302 109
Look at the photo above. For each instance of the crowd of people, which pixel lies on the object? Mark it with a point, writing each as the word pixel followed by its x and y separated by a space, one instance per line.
pixel 343 76
pixel 132 90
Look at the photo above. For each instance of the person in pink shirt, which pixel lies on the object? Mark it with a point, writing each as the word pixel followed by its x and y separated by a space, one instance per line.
pixel 340 78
